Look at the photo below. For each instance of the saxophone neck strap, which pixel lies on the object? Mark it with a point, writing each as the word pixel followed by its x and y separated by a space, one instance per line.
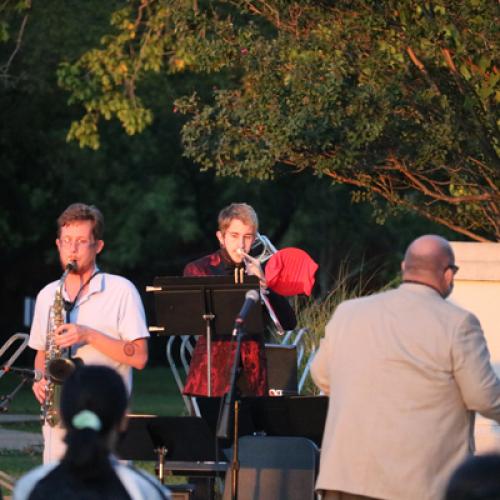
pixel 69 305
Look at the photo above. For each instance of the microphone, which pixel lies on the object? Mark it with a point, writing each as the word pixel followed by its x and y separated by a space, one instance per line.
pixel 35 375
pixel 251 298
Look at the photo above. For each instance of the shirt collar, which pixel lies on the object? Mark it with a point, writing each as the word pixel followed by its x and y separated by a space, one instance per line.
pixel 95 285
pixel 420 287
pixel 97 282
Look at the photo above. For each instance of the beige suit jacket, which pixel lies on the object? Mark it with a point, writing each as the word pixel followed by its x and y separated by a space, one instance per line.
pixel 405 371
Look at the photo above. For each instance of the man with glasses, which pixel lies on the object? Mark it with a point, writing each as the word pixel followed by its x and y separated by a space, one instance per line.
pixel 104 317
pixel 405 370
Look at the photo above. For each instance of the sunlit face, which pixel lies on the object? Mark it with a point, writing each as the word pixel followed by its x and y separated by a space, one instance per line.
pixel 238 235
pixel 76 243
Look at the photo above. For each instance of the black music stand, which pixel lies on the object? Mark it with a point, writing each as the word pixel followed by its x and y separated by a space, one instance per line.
pixel 191 305
pixel 291 416
pixel 178 444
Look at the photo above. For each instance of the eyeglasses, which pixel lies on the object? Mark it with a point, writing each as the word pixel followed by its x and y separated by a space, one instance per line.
pixel 453 267
pixel 80 243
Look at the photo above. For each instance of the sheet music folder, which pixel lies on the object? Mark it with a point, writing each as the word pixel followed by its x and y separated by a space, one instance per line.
pixel 182 302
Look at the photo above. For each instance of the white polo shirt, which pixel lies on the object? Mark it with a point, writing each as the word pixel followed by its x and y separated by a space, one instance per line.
pixel 112 306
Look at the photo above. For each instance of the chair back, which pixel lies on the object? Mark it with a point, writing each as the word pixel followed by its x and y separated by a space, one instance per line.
pixel 274 468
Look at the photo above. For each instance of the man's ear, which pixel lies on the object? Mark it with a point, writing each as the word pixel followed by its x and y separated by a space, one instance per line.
pixel 220 237
pixel 99 246
pixel 58 244
pixel 403 266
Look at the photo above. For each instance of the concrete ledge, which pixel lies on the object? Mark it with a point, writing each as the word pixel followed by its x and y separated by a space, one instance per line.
pixel 477 261
pixel 20 440
pixel 8 418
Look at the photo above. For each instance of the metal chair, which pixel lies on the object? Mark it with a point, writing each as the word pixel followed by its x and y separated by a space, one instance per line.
pixel 275 468
pixel 182 345
pixel 297 338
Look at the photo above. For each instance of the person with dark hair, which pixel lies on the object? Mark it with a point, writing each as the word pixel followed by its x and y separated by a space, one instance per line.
pixel 478 478
pixel 99 319
pixel 238 226
pixel 405 371
pixel 93 405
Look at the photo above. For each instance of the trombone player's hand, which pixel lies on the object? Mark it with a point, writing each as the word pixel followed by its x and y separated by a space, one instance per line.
pixel 253 267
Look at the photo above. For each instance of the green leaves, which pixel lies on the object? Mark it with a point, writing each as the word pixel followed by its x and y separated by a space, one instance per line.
pixel 394 97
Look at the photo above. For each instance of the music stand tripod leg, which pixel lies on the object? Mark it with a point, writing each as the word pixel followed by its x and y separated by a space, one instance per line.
pixel 235 463
pixel 223 423
pixel 161 451
pixel 208 318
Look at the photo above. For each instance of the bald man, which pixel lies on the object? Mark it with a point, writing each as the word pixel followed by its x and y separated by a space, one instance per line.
pixel 405 371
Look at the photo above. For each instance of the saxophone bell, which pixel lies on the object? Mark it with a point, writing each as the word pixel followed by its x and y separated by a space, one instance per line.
pixel 59 369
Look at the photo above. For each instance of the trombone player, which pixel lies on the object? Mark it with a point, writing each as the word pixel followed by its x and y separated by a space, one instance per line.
pixel 237 230
pixel 101 321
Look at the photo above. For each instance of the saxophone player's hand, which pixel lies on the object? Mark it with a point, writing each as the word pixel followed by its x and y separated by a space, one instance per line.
pixel 70 333
pixel 39 389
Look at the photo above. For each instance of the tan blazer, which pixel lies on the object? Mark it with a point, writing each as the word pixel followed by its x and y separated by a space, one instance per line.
pixel 405 371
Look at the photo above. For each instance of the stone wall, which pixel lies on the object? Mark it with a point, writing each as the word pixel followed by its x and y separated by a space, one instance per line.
pixel 477 289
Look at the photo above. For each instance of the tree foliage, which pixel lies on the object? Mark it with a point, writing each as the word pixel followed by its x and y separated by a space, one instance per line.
pixel 398 98
pixel 160 210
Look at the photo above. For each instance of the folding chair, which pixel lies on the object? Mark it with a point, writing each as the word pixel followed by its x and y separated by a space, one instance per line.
pixel 275 468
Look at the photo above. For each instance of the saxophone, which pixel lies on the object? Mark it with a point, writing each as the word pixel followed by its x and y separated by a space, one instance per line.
pixel 58 366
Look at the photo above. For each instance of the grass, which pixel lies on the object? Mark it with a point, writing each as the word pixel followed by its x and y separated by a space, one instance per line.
pixel 154 393
pixel 314 313
pixel 21 426
pixel 24 401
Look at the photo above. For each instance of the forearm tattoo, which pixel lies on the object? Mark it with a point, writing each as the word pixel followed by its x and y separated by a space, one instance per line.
pixel 129 349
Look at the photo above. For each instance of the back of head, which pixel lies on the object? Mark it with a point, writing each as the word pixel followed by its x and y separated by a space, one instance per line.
pixel 241 211
pixel 478 478
pixel 93 403
pixel 426 261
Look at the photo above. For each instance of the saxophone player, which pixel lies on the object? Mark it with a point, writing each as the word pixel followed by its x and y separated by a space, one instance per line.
pixel 104 321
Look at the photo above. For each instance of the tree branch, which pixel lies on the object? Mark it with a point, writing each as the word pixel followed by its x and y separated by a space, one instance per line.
pixel 420 65
pixel 5 69
pixel 420 209
pixel 449 60
pixel 437 194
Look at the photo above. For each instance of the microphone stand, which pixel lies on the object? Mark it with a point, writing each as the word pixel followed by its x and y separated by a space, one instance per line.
pixel 5 400
pixel 223 422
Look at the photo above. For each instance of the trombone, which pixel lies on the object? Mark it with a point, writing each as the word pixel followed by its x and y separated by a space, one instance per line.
pixel 263 244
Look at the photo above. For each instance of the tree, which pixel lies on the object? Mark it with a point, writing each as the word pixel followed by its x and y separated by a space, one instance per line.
pixel 14 15
pixel 160 211
pixel 398 98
